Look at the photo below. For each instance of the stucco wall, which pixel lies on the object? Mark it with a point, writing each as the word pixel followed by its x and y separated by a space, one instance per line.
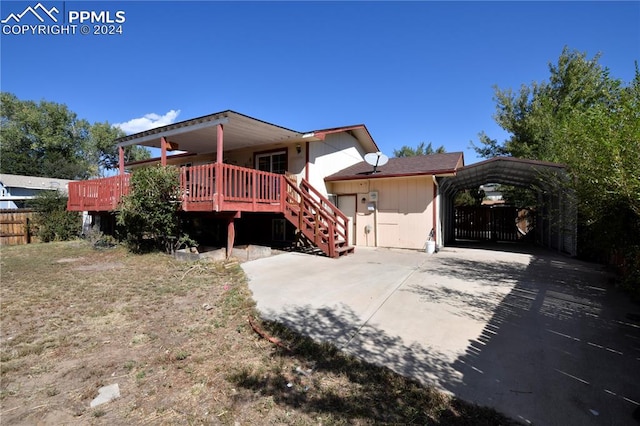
pixel 403 215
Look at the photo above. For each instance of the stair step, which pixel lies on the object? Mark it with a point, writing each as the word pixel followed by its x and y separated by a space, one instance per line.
pixel 345 250
pixel 314 217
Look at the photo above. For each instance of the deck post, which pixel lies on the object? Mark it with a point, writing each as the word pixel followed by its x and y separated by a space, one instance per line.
pixel 163 151
pixel 219 175
pixel 231 232
pixel 121 160
pixel 231 236
pixel 220 144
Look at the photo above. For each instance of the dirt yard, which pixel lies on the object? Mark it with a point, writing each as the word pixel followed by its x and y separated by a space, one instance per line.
pixel 175 338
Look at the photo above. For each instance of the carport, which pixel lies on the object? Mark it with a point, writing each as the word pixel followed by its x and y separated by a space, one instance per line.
pixel 556 215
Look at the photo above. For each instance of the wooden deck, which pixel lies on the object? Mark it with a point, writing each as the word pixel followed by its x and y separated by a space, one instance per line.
pixel 211 187
pixel 231 190
pixel 97 195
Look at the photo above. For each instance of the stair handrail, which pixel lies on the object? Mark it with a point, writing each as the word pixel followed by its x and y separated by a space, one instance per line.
pixel 320 209
pixel 304 202
pixel 327 206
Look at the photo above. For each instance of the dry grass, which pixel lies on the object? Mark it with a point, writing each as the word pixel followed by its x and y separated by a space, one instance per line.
pixel 175 338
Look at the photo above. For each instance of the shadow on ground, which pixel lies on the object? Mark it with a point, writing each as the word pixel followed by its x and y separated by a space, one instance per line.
pixel 373 393
pixel 560 348
pixel 558 345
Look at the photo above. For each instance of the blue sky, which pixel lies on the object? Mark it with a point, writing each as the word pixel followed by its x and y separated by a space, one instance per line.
pixel 410 71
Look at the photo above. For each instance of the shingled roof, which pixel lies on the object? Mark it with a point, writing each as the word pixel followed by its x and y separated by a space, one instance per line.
pixel 433 164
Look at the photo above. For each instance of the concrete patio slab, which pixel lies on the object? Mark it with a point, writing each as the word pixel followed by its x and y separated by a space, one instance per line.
pixel 541 337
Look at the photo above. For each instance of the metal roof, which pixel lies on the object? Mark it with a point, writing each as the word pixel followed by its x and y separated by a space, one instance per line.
pixel 433 164
pixel 504 170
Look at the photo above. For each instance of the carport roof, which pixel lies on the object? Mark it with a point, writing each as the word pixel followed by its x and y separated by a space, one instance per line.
pixel 433 164
pixel 505 170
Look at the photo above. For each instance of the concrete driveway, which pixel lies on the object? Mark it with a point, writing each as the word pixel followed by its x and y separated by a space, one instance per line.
pixel 540 337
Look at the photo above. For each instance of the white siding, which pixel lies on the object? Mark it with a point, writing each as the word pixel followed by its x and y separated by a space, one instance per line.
pixel 403 215
pixel 336 152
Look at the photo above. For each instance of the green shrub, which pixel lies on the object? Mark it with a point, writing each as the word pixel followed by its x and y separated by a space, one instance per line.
pixel 149 214
pixel 52 221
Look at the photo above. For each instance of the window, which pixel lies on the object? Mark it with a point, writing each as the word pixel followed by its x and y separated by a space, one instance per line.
pixel 274 162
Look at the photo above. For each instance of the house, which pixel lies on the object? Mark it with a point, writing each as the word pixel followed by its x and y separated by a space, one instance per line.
pixel 492 194
pixel 16 190
pixel 244 179
pixel 241 173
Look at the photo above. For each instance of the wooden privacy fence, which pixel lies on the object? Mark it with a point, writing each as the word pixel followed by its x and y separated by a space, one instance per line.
pixel 15 226
pixel 492 223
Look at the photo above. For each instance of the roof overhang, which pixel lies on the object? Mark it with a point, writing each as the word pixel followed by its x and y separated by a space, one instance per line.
pixel 371 175
pixel 199 135
pixel 358 131
pixel 503 170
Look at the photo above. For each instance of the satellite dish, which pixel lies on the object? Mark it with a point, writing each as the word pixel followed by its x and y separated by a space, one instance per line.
pixel 376 159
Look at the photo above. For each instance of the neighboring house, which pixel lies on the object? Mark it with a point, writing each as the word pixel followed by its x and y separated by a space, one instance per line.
pixel 16 191
pixel 492 194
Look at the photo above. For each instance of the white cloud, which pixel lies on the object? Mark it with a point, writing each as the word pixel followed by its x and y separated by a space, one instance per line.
pixel 149 121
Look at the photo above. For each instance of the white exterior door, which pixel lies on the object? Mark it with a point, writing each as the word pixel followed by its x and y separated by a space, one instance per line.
pixel 347 204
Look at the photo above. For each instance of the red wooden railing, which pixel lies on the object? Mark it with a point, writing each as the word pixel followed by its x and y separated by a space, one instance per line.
pixel 242 185
pixel 97 194
pixel 341 222
pixel 317 218
pixel 224 187
pixel 197 184
pixel 239 189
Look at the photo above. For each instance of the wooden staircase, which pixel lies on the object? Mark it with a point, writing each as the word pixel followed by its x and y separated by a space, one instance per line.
pixel 318 221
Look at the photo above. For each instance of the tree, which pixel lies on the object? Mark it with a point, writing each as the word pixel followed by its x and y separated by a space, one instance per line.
pixel 518 196
pixel 47 139
pixel 421 149
pixel 105 151
pixel 589 121
pixel 469 197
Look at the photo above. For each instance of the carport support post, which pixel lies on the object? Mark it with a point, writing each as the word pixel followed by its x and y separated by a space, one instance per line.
pixel 560 220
